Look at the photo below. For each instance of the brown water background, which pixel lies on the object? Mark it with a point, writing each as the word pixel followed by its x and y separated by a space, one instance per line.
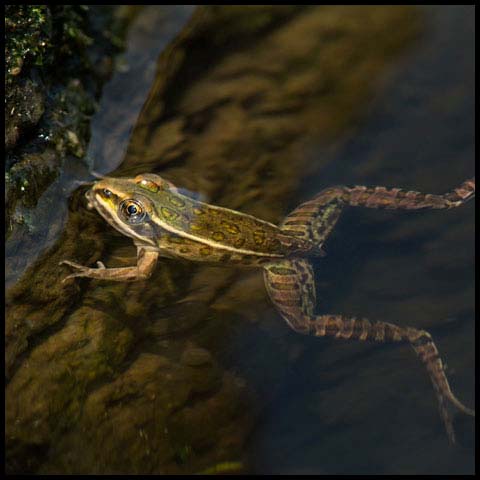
pixel 194 369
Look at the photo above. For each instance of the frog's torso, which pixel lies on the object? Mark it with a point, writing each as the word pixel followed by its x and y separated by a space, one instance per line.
pixel 180 226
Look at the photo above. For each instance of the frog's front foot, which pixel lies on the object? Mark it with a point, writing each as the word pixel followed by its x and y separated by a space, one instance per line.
pixel 82 271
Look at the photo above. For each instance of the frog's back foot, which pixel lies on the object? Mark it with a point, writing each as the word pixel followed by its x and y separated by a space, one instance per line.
pixel 464 193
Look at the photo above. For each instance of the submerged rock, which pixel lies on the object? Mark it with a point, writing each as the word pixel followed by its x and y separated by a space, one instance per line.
pixel 103 377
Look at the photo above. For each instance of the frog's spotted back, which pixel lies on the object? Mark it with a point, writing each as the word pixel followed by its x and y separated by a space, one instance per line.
pixel 163 222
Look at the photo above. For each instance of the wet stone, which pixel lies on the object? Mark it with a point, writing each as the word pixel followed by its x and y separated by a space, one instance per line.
pixel 195 357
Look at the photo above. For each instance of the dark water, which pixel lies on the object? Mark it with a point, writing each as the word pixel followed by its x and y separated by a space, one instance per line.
pixel 366 410
pixel 314 405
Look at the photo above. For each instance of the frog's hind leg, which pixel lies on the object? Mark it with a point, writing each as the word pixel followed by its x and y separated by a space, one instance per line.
pixel 315 219
pixel 290 285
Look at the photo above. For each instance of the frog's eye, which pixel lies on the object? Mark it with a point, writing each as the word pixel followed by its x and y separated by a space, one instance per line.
pixel 106 193
pixel 132 211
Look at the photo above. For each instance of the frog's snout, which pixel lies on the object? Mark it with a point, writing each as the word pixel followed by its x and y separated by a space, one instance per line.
pixel 89 196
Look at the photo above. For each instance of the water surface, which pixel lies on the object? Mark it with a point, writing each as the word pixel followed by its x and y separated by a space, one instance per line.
pixel 194 370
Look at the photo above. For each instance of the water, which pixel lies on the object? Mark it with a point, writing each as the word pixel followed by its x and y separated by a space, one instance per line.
pixel 194 369
pixel 363 410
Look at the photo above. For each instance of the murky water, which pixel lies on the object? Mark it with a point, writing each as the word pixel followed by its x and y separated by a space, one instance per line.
pixel 363 410
pixel 194 370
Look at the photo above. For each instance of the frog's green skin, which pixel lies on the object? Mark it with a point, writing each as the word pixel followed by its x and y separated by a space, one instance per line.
pixel 179 226
pixel 164 222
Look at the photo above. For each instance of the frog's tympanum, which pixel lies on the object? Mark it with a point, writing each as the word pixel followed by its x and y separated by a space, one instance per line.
pixel 163 221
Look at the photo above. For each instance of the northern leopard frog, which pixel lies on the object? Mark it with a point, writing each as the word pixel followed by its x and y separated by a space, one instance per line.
pixel 162 221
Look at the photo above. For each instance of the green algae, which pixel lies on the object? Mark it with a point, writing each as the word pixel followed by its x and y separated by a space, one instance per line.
pixel 53 56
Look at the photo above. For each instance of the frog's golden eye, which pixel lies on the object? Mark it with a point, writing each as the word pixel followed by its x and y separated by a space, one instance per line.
pixel 132 211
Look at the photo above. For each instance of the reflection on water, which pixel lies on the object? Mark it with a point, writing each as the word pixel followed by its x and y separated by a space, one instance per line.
pixel 120 104
pixel 194 370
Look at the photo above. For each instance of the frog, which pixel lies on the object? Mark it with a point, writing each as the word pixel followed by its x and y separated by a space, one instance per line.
pixel 166 221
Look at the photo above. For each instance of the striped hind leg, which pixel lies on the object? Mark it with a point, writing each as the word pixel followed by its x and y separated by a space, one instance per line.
pixel 290 285
pixel 315 219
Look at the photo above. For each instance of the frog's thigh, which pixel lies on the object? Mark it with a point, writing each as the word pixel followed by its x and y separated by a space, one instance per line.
pixel 291 287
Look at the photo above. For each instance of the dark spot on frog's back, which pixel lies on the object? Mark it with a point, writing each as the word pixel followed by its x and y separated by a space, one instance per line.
pixel 176 201
pixel 195 227
pixel 218 236
pixel 259 237
pixel 230 227
pixel 205 251
pixel 168 214
pixel 239 242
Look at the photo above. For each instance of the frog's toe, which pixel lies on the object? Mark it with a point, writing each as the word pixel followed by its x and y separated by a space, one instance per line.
pixel 68 277
pixel 101 266
pixel 82 271
pixel 70 263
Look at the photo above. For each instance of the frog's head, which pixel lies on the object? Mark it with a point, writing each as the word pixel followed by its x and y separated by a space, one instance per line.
pixel 128 204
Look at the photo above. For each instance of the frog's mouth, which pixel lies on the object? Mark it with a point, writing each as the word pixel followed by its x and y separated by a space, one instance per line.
pixel 94 204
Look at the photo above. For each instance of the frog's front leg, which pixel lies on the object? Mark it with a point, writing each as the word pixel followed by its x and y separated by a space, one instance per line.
pixel 146 262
